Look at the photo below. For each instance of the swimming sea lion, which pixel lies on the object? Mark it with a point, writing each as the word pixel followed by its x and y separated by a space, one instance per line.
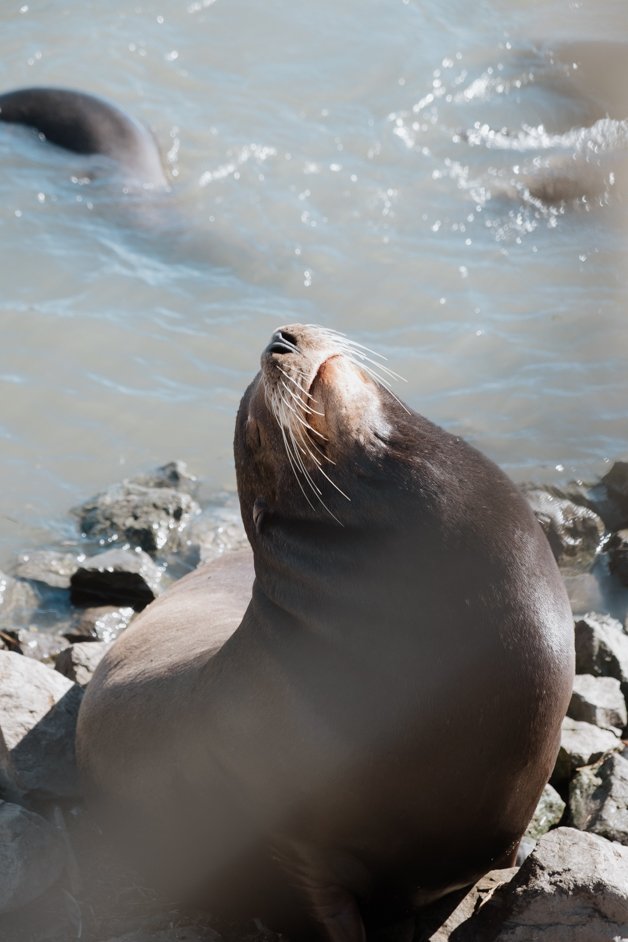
pixel 87 124
pixel 375 712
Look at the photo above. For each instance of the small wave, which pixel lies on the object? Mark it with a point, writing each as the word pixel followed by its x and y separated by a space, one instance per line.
pixel 607 134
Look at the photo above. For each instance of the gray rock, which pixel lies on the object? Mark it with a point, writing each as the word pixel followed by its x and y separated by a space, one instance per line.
pixel 581 744
pixel 101 623
pixel 574 532
pixel 79 661
pixel 48 566
pixel 598 700
pixel 598 798
pixel 601 647
pixel 39 709
pixel 214 532
pixel 476 897
pixel 9 789
pixel 10 641
pixel 174 474
pixel 584 591
pixel 117 576
pixel 616 483
pixel 618 555
pixel 18 600
pixel 572 888
pixel 32 856
pixel 145 516
pixel 548 813
pixel 41 644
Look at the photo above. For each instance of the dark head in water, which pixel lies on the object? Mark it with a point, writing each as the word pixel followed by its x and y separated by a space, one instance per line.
pixel 86 124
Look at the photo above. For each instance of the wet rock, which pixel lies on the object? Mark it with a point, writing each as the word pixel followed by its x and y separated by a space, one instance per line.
pixel 214 532
pixel 574 532
pixel 42 645
pixel 79 661
pixel 173 474
pixel 581 744
pixel 584 591
pixel 32 856
pixel 39 708
pixel 49 567
pixel 10 641
pixel 117 576
pixel 572 888
pixel 476 897
pixel 101 623
pixel 598 700
pixel 618 555
pixel 616 484
pixel 601 647
pixel 18 600
pixel 598 799
pixel 149 516
pixel 548 813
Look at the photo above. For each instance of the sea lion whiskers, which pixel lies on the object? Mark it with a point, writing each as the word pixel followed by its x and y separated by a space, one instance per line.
pixel 297 464
pixel 302 421
pixel 296 446
pixel 299 386
pixel 322 471
pixel 362 356
pixel 300 401
pixel 304 446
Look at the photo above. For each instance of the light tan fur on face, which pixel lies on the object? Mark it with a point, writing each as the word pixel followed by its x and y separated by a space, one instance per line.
pixel 323 395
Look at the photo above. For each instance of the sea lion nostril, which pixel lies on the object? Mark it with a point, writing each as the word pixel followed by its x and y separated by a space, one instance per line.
pixel 282 342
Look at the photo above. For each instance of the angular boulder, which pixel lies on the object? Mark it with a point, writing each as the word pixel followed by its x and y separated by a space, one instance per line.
pixel 601 647
pixel 598 798
pixel 79 661
pixel 574 532
pixel 470 903
pixel 148 511
pixel 173 474
pixel 616 484
pixel 548 813
pixel 100 623
pixel 572 888
pixel 39 709
pixel 598 700
pixel 50 567
pixel 584 591
pixel 581 744
pixel 216 531
pixel 618 555
pixel 117 576
pixel 18 600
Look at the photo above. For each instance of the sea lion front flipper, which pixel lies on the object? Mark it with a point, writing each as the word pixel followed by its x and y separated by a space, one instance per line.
pixel 318 881
pixel 336 911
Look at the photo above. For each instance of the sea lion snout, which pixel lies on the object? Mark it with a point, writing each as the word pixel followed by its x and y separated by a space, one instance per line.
pixel 282 342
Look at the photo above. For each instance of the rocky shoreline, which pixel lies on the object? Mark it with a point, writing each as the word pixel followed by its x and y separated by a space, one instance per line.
pixel 61 608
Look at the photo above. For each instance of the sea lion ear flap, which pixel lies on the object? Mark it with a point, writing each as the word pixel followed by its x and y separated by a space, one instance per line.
pixel 260 514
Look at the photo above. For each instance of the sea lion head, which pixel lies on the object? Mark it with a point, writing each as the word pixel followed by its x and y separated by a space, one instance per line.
pixel 314 429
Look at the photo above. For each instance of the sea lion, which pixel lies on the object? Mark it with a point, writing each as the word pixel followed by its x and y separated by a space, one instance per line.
pixel 372 716
pixel 87 124
pixel 587 159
